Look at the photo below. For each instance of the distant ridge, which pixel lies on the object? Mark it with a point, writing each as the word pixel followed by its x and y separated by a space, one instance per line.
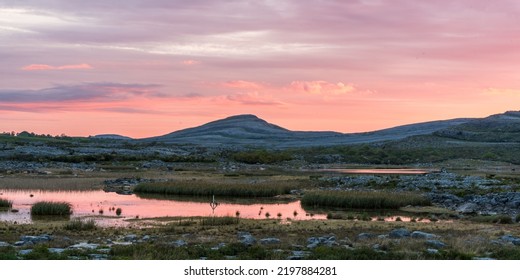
pixel 249 130
pixel 111 136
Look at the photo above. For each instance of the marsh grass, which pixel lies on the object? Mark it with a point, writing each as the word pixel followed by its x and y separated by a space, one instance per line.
pixel 494 219
pixel 49 208
pixel 221 188
pixel 35 183
pixel 4 203
pixel 80 225
pixel 219 221
pixel 363 200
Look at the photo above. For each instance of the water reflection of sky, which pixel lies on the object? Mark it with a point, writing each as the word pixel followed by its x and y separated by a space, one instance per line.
pixel 402 171
pixel 86 203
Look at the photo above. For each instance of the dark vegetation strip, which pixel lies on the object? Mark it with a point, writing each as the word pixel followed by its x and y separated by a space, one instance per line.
pixel 4 203
pixel 208 188
pixel 363 200
pixel 45 208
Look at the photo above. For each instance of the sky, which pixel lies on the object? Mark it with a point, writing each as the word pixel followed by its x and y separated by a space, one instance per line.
pixel 146 68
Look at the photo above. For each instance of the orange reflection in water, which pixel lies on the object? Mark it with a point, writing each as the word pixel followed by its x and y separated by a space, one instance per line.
pixel 86 203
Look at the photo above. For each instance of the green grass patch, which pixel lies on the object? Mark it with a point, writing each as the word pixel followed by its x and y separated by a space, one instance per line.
pixel 220 188
pixel 49 208
pixel 81 225
pixel 4 203
pixel 363 200
pixel 219 221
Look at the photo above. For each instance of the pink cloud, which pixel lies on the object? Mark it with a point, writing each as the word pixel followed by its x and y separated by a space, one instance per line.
pixel 40 67
pixel 253 98
pixel 190 62
pixel 240 84
pixel 322 87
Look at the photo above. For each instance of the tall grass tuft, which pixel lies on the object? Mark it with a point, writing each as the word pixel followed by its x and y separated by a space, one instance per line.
pixel 80 225
pixel 44 208
pixel 4 203
pixel 208 188
pixel 363 200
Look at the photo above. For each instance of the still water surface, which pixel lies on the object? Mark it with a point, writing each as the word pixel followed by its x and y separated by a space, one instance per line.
pixel 88 203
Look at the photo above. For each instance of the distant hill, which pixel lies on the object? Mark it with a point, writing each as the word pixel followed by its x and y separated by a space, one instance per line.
pixel 111 136
pixel 495 128
pixel 249 130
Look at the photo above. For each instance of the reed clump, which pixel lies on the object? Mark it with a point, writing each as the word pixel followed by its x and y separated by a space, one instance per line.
pixel 4 203
pixel 220 188
pixel 363 200
pixel 50 208
pixel 81 225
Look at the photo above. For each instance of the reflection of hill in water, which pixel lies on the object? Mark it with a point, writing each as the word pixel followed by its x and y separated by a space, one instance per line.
pixel 220 199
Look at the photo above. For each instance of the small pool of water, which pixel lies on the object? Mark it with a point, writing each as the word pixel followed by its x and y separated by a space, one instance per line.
pixel 91 203
pixel 401 171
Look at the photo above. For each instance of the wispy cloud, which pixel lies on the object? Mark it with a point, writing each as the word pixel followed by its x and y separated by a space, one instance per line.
pixel 41 67
pixel 99 92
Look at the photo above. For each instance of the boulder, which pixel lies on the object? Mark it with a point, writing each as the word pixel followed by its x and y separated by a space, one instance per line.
pixel 468 208
pixel 423 235
pixel 84 246
pixel 436 244
pixel 269 240
pixel 180 243
pixel 399 233
pixel 365 236
pixel 246 238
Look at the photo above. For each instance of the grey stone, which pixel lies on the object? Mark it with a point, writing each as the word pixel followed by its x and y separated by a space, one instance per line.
pixel 399 233
pixel 180 243
pixel 484 259
pixel 246 238
pixel 509 238
pixel 364 236
pixel 146 238
pixel 423 235
pixel 56 250
pixel 130 238
pixel 468 208
pixel 98 257
pixel 36 239
pixel 84 246
pixel 269 240
pixel 4 244
pixel 19 243
pixel 219 246
pixel 25 252
pixel 432 251
pixel 298 255
pixel 436 244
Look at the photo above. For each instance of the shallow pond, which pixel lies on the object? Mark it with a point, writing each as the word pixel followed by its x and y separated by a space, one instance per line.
pixel 91 203
pixel 398 171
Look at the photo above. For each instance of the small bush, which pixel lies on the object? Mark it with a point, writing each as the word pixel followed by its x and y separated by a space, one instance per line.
pixel 119 211
pixel 80 225
pixel 4 203
pixel 44 208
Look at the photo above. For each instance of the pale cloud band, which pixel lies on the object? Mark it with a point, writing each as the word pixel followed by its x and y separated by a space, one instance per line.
pixel 41 67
